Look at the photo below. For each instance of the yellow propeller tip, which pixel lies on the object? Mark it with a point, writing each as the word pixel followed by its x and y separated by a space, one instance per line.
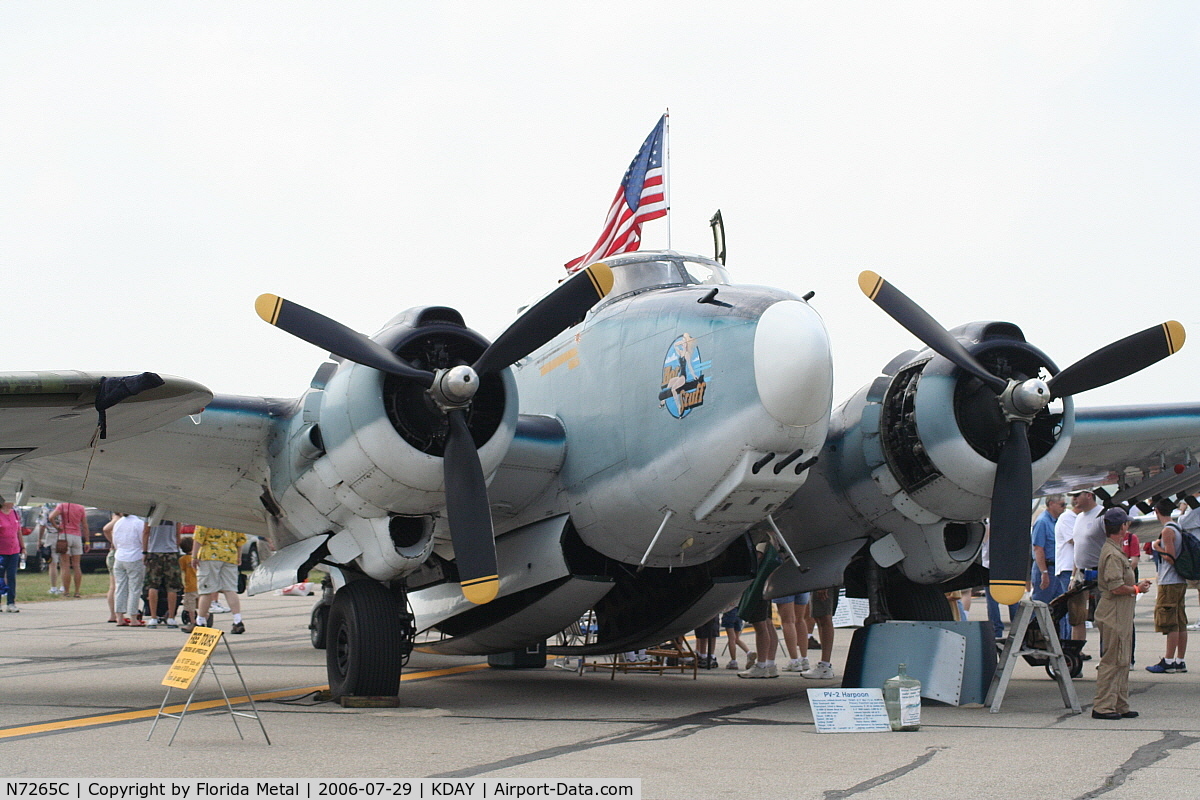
pixel 1006 593
pixel 602 278
pixel 870 283
pixel 267 307
pixel 1176 335
pixel 481 590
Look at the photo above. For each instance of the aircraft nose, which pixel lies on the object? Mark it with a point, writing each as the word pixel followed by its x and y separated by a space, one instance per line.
pixel 793 367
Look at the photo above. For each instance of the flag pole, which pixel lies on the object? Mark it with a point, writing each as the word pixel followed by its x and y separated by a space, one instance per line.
pixel 667 169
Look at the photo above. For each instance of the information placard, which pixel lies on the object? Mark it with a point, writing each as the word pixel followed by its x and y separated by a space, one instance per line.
pixel 192 657
pixel 848 710
pixel 851 611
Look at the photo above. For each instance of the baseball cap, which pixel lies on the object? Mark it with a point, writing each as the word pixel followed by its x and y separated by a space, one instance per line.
pixel 1115 517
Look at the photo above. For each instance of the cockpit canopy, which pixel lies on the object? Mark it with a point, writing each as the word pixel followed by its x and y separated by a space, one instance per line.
pixel 642 271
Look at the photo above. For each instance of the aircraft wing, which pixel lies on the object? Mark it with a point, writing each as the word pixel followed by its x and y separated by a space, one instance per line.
pixel 1137 441
pixel 44 413
pixel 161 450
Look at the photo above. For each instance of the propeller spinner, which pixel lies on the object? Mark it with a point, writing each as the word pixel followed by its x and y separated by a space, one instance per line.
pixel 1020 402
pixel 452 390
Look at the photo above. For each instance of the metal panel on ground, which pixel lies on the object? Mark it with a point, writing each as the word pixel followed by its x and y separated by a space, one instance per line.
pixel 945 657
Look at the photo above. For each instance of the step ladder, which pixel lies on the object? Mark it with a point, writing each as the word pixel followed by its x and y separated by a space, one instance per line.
pixel 1037 612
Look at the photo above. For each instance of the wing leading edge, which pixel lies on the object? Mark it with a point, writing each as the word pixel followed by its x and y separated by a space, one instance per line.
pixel 1127 444
pixel 47 413
pixel 209 469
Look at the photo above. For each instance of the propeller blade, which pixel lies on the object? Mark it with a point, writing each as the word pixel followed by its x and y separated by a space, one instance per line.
pixel 314 328
pixel 547 318
pixel 1119 359
pixel 469 513
pixel 918 322
pixel 1012 499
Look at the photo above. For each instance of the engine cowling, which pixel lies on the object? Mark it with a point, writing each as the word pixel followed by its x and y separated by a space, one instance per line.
pixel 369 446
pixel 914 455
pixel 941 430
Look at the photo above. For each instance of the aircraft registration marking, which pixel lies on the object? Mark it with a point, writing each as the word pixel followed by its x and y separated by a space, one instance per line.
pixel 570 358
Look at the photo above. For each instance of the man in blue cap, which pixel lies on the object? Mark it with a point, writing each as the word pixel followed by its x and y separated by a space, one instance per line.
pixel 1114 618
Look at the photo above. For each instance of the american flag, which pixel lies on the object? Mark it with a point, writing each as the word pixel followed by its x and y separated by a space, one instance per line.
pixel 642 197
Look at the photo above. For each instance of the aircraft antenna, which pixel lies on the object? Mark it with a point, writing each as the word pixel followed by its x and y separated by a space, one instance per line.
pixel 717 223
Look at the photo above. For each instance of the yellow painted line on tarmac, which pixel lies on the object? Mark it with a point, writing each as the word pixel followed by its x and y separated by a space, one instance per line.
pixel 146 713
pixel 438 673
pixel 202 705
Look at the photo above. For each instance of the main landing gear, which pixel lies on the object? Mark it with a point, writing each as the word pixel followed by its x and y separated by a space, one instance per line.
pixel 368 635
pixel 892 596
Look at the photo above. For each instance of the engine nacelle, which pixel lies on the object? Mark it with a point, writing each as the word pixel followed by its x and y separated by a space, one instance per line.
pixel 931 409
pixel 384 547
pixel 366 451
pixel 914 455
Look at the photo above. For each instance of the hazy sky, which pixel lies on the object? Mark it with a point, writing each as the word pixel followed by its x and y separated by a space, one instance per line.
pixel 162 164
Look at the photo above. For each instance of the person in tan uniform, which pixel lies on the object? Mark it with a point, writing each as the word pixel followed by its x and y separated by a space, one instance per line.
pixel 1114 618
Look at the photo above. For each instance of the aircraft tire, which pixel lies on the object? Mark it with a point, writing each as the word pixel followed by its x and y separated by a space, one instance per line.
pixel 318 626
pixel 364 642
pixel 917 601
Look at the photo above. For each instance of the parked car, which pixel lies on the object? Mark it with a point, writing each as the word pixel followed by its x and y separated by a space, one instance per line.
pixel 34 558
pixel 95 548
pixel 254 551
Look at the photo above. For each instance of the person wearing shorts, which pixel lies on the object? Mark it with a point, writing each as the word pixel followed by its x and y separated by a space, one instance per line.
pixel 756 610
pixel 733 625
pixel 706 643
pixel 162 571
pixel 48 538
pixel 1170 616
pixel 71 519
pixel 824 604
pixel 217 553
pixel 793 613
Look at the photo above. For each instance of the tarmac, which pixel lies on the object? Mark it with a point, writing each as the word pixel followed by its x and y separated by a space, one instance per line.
pixel 78 698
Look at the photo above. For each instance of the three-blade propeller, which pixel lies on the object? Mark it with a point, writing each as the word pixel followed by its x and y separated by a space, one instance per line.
pixel 1021 401
pixel 452 390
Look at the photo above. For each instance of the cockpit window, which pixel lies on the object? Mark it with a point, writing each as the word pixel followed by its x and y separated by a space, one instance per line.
pixel 706 272
pixel 639 272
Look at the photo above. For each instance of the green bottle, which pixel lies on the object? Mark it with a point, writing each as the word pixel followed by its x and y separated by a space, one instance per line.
pixel 902 698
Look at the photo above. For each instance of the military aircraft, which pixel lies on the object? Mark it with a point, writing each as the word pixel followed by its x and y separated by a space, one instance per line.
pixel 623 423
pixel 608 452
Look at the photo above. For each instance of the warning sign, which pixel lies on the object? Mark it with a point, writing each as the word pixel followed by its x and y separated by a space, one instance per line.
pixel 192 657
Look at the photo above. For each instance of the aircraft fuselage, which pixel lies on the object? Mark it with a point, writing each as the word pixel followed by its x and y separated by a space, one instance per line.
pixel 669 403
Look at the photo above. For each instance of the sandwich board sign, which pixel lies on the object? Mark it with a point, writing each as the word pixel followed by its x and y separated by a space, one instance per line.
pixel 191 658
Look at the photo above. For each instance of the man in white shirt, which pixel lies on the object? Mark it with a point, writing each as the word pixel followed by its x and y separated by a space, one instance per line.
pixel 1089 531
pixel 1064 550
pixel 1088 536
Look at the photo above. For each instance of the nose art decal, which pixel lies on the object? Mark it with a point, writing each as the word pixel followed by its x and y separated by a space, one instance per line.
pixel 683 381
